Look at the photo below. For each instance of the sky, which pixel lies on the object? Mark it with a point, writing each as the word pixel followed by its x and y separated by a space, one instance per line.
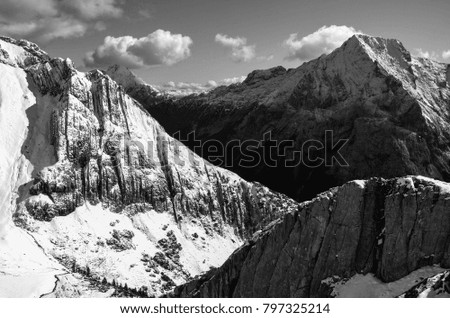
pixel 211 42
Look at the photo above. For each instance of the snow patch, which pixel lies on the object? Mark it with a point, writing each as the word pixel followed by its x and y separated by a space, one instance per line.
pixel 407 182
pixel 369 286
pixel 360 183
pixel 15 99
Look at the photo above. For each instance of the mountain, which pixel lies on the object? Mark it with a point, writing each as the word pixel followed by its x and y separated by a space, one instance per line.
pixel 94 194
pixel 135 86
pixel 390 110
pixel 363 239
pixel 145 93
pixel 97 200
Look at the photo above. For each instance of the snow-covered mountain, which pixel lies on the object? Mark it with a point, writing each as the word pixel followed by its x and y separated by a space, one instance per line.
pixel 372 238
pixel 95 195
pixel 92 187
pixel 393 108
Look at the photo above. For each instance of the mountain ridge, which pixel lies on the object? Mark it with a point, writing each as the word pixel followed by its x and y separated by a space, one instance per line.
pixel 96 182
pixel 388 228
pixel 370 91
pixel 93 184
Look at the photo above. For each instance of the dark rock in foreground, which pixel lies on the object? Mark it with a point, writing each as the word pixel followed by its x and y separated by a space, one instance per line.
pixel 386 227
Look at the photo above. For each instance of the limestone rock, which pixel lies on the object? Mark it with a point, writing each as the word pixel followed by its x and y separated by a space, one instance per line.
pixel 385 227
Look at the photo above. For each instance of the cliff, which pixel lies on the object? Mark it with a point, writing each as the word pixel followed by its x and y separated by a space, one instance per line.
pixel 94 181
pixel 388 228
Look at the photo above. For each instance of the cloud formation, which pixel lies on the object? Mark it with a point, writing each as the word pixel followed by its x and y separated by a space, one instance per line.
pixel 446 55
pixel 157 48
pixel 426 54
pixel 183 88
pixel 240 51
pixel 322 41
pixel 46 20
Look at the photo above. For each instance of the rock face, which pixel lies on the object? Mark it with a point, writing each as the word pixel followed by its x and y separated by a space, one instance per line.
pixel 386 227
pixel 107 149
pixel 394 110
pixel 91 153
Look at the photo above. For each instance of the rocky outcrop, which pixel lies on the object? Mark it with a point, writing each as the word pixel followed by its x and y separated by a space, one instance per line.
pixel 392 108
pixel 386 227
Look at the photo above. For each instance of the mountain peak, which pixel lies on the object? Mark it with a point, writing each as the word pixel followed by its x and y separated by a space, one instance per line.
pixel 124 76
pixel 378 49
pixel 361 52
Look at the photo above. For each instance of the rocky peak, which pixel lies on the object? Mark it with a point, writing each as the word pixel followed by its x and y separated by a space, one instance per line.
pixel 85 155
pixel 123 75
pixel 362 63
pixel 379 48
pixel 20 52
pixel 389 55
pixel 378 76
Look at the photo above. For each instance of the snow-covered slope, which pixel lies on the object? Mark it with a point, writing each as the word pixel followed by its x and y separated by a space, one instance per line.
pixel 90 180
pixel 25 268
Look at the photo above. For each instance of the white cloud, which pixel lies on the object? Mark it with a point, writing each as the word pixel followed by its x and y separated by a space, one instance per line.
pixel 232 80
pixel 159 47
pixel 240 51
pixel 24 10
pixel 322 41
pixel 45 20
pixel 183 88
pixel 265 58
pixel 426 54
pixel 446 55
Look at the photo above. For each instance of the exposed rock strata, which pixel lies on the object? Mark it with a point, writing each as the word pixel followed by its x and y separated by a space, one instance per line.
pixel 96 182
pixel 107 149
pixel 386 227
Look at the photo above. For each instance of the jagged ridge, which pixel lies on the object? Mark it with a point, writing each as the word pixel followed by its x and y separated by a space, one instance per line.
pixel 386 227
pixel 392 107
pixel 90 152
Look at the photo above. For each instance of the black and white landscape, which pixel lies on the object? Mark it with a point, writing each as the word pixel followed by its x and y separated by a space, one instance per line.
pixel 328 179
